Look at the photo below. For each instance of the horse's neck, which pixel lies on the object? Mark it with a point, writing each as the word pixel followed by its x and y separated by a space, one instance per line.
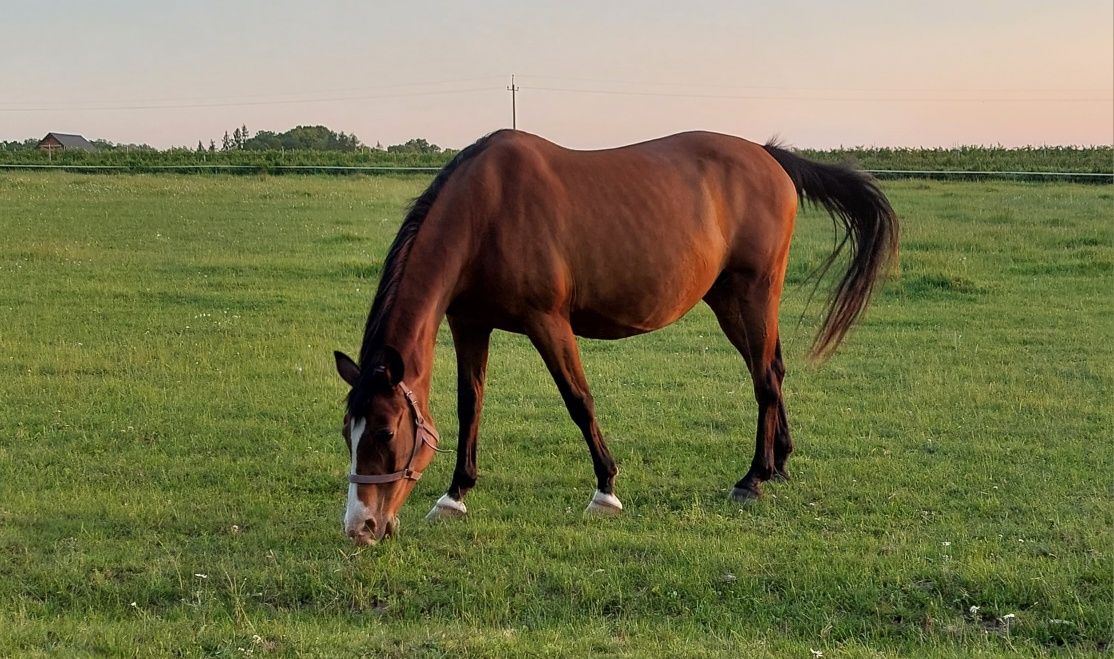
pixel 421 300
pixel 412 331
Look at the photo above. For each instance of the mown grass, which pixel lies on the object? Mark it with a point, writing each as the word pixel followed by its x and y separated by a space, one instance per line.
pixel 171 469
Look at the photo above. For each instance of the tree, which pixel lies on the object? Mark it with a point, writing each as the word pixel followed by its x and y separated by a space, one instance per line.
pixel 301 138
pixel 212 146
pixel 200 147
pixel 225 142
pixel 244 135
pixel 264 140
pixel 237 139
pixel 418 145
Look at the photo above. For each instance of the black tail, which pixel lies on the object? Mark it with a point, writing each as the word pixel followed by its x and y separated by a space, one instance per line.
pixel 853 198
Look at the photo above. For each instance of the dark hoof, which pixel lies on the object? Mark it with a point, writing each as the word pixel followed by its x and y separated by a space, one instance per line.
pixel 745 494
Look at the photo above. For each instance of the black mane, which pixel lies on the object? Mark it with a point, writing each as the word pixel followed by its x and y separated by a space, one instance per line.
pixel 395 266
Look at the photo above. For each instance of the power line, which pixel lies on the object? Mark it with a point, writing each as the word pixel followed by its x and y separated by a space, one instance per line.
pixel 238 103
pixel 310 97
pixel 652 83
pixel 768 97
pixel 285 95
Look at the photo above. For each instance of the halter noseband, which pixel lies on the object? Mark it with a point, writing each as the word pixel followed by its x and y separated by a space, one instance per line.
pixel 424 432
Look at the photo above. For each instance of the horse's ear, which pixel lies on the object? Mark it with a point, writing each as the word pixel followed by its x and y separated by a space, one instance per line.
pixel 348 370
pixel 395 369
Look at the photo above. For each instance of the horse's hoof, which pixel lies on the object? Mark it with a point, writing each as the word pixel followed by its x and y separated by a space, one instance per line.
pixel 447 508
pixel 604 504
pixel 745 494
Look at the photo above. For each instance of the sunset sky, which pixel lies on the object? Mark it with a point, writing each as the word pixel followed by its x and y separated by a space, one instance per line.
pixel 592 74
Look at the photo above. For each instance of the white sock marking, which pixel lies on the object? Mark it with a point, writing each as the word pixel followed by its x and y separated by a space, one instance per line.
pixel 448 502
pixel 447 506
pixel 601 501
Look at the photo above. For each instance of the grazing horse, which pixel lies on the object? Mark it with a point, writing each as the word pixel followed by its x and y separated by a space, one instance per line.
pixel 521 235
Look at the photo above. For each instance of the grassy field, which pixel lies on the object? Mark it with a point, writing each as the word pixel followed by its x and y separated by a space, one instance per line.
pixel 172 473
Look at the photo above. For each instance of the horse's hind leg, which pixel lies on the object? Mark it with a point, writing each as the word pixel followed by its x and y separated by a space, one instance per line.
pixel 747 310
pixel 553 338
pixel 783 442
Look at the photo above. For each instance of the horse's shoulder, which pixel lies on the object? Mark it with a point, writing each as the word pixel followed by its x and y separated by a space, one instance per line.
pixel 514 153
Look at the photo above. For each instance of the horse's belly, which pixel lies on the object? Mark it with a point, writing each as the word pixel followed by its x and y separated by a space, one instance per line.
pixel 613 287
pixel 609 325
pixel 658 302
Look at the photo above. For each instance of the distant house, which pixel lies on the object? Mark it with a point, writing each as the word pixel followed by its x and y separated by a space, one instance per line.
pixel 65 142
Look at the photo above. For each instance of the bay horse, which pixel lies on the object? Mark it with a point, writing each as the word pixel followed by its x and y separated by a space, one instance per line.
pixel 519 234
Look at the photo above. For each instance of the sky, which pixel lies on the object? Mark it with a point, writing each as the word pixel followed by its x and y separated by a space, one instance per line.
pixel 595 74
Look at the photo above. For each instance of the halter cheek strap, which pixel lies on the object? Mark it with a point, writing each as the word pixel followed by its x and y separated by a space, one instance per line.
pixel 424 433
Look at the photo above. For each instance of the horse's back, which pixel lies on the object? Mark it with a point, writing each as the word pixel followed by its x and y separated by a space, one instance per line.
pixel 625 240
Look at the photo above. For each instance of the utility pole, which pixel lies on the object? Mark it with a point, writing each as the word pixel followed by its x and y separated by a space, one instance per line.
pixel 513 89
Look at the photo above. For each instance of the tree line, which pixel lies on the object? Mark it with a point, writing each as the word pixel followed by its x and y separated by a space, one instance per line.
pixel 309 138
pixel 299 138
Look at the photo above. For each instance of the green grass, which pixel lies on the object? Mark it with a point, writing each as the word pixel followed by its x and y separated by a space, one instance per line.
pixel 171 468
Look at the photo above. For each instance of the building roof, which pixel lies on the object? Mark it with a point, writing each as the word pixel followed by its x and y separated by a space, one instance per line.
pixel 71 141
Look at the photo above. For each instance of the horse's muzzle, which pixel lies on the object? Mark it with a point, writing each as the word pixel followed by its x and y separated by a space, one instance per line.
pixel 372 531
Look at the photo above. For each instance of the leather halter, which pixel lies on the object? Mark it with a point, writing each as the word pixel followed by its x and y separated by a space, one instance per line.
pixel 424 432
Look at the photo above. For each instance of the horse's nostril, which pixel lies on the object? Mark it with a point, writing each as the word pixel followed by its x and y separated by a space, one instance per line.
pixel 367 528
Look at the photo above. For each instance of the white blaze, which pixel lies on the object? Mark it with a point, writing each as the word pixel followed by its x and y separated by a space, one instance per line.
pixel 356 512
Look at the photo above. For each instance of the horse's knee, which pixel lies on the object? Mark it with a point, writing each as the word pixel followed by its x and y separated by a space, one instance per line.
pixel 581 407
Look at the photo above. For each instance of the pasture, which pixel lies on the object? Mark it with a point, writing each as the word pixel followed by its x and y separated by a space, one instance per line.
pixel 172 470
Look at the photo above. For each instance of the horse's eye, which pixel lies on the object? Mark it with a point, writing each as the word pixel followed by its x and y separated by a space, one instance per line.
pixel 384 435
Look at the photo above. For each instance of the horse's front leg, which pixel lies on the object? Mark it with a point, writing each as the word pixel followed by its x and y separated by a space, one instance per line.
pixel 471 343
pixel 553 337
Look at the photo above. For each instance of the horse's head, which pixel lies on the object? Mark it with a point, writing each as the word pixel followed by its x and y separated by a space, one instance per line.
pixel 389 440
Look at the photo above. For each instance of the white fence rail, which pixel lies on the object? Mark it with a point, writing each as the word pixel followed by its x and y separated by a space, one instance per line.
pixel 222 167
pixel 968 172
pixel 355 169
